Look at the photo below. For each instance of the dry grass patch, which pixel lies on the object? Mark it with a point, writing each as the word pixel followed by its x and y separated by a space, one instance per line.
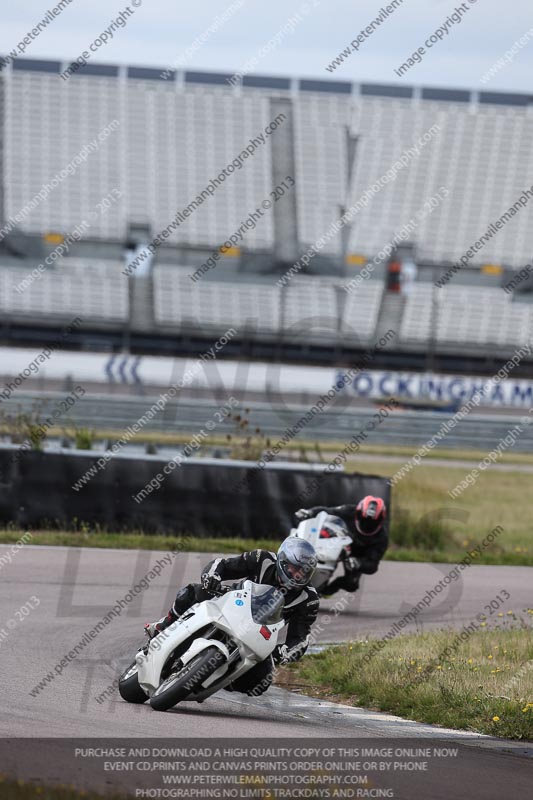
pixel 485 686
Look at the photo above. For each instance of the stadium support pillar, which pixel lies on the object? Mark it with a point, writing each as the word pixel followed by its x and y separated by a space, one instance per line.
pixel 285 210
pixel 351 150
pixel 141 304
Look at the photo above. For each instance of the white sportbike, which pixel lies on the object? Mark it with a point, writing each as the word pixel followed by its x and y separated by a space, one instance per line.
pixel 331 540
pixel 209 646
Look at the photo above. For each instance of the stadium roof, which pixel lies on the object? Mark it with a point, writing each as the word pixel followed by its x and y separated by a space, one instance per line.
pixel 277 83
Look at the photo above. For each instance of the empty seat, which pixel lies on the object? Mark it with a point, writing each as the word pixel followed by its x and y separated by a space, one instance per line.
pixel 95 292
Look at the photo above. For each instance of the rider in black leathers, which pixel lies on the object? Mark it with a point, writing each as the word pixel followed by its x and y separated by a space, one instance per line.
pixel 290 570
pixel 366 525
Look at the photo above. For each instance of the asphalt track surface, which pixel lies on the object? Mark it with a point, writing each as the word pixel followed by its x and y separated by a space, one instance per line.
pixel 76 588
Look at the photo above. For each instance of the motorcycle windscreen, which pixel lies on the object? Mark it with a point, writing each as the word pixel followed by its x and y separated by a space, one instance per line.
pixel 267 604
pixel 334 527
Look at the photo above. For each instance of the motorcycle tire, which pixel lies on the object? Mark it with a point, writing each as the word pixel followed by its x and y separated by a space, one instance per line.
pixel 129 688
pixel 180 684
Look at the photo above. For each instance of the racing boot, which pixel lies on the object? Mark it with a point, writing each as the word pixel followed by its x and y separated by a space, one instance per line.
pixel 151 629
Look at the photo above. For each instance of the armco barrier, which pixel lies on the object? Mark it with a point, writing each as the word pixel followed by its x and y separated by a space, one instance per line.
pixel 206 497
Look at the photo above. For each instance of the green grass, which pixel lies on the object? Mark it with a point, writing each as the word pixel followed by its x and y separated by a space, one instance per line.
pixel 486 686
pixel 142 541
pixel 139 541
pixel 20 790
pixel 428 525
pixel 446 454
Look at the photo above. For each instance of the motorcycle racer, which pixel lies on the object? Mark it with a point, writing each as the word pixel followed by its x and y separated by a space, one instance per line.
pixel 366 526
pixel 290 570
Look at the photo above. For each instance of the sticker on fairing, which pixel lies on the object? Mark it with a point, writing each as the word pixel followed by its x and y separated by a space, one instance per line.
pixel 239 602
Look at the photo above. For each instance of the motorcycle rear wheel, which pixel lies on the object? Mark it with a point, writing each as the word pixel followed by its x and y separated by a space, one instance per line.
pixel 180 684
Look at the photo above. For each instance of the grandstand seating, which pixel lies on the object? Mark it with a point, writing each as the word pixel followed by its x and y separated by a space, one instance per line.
pixel 320 140
pixel 180 303
pixel 480 157
pixel 483 316
pixel 417 315
pixel 96 291
pixel 166 149
pixel 312 307
pixel 361 310
pixel 174 136
pixel 466 315
pixel 317 308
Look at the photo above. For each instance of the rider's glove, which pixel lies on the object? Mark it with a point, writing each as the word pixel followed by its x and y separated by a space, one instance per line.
pixel 352 564
pixel 280 655
pixel 211 583
pixel 303 513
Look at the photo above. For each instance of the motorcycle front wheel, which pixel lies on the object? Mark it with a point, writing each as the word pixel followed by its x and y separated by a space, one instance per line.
pixel 128 686
pixel 180 684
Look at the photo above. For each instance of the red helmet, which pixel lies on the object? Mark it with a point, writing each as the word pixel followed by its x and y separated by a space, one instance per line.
pixel 370 515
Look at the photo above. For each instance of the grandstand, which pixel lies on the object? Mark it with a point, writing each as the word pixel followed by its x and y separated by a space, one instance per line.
pixel 481 153
pixel 478 316
pixel 162 141
pixel 173 136
pixel 95 290
pixel 213 306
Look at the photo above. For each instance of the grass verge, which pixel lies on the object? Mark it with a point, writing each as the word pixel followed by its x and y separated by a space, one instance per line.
pixel 138 541
pixel 431 526
pixel 143 541
pixel 486 686
pixel 451 553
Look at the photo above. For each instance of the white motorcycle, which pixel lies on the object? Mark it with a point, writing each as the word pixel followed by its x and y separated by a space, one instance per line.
pixel 331 540
pixel 213 644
